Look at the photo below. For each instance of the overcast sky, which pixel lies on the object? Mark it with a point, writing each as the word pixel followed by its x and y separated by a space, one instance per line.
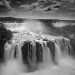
pixel 39 9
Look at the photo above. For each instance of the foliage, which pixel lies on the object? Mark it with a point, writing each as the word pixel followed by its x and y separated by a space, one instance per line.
pixel 4 33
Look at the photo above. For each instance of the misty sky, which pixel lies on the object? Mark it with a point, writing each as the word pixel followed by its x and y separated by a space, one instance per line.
pixel 38 9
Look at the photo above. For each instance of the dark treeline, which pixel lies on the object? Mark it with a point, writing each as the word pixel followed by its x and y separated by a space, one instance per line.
pixel 11 19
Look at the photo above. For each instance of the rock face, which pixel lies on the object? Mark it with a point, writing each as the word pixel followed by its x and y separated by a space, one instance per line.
pixel 72 43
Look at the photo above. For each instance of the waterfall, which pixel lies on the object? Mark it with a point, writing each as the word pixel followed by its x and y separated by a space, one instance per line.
pixel 39 51
pixel 36 50
pixel 25 52
pixel 9 51
pixel 12 52
pixel 64 47
pixel 19 53
pixel 46 53
pixel 57 53
pixel 31 55
pixel 51 46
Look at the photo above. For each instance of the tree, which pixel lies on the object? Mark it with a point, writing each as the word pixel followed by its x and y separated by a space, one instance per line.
pixel 5 35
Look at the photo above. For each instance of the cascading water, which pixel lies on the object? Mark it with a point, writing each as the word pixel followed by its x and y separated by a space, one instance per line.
pixel 63 46
pixel 57 52
pixel 7 52
pixel 32 55
pixel 19 53
pixel 46 53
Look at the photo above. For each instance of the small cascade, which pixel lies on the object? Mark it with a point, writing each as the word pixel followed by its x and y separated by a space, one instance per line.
pixel 51 46
pixel 57 52
pixel 39 51
pixel 64 47
pixel 9 51
pixel 13 59
pixel 12 51
pixel 29 54
pixel 47 59
pixel 19 53
pixel 32 55
pixel 68 47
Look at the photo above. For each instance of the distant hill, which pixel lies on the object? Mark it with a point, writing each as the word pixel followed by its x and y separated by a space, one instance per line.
pixel 13 19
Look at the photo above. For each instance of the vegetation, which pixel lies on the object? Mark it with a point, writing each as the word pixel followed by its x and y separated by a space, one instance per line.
pixel 5 35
